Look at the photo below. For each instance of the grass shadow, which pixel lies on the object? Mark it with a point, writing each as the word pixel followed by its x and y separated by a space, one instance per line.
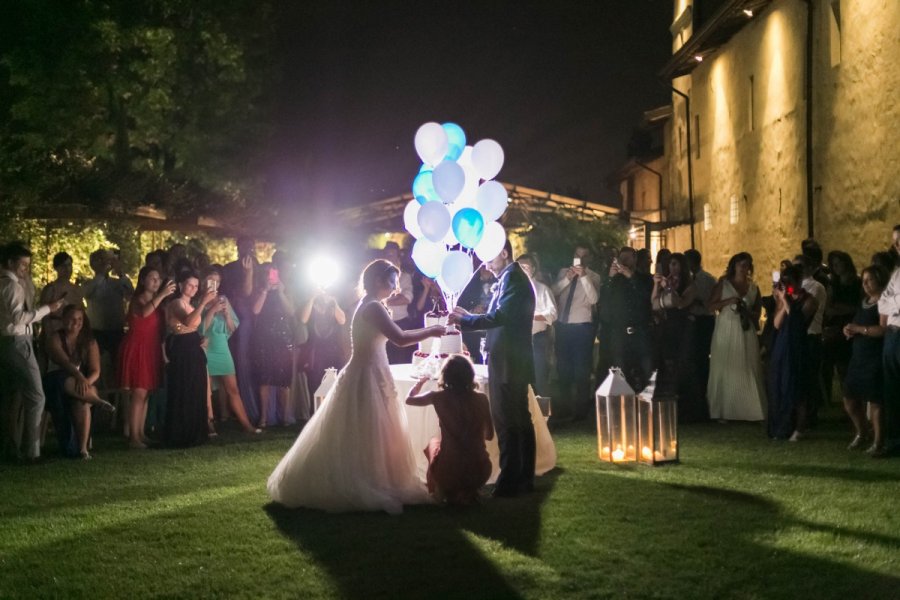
pixel 373 555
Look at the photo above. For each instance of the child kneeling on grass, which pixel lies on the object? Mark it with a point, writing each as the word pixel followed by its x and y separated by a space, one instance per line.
pixel 458 462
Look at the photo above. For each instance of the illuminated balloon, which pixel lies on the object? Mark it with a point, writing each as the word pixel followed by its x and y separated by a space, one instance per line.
pixel 456 271
pixel 423 188
pixel 449 180
pixel 456 139
pixel 434 220
pixel 411 219
pixel 450 237
pixel 468 226
pixel 491 200
pixel 487 157
pixel 429 257
pixel 492 242
pixel 431 143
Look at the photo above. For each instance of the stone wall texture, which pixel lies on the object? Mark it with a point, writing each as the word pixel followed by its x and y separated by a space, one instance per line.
pixel 749 102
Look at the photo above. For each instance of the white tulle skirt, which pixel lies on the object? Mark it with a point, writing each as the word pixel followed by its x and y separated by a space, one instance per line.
pixel 354 454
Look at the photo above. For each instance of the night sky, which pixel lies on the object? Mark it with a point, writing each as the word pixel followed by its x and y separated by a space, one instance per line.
pixel 560 85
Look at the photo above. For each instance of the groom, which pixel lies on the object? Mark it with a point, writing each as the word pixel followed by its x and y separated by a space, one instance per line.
pixel 511 366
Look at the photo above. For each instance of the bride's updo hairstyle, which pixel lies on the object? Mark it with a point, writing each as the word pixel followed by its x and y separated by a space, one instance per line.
pixel 375 276
pixel 457 375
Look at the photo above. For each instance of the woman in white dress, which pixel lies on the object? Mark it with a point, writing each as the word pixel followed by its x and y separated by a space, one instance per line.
pixel 736 389
pixel 354 454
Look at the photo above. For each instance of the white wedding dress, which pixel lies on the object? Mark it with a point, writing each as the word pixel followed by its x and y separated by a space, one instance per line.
pixel 354 454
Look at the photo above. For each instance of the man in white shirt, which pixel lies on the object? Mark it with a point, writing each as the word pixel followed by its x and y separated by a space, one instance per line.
pixel 813 350
pixel 398 303
pixel 19 373
pixel 889 307
pixel 544 315
pixel 576 290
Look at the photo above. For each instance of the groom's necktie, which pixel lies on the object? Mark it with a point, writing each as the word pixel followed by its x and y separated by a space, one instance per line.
pixel 567 307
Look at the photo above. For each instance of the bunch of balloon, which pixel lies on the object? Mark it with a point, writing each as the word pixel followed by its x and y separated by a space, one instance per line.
pixel 455 207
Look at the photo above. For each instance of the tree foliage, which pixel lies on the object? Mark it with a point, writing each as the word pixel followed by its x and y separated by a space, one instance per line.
pixel 120 103
pixel 552 238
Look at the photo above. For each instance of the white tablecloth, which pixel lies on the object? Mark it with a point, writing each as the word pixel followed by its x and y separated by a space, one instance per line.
pixel 423 423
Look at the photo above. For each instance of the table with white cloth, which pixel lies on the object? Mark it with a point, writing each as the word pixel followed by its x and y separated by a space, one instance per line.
pixel 423 422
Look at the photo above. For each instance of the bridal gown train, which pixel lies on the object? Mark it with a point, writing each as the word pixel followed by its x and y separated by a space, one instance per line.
pixel 354 454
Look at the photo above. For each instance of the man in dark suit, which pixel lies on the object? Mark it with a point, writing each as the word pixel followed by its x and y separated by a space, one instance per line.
pixel 511 367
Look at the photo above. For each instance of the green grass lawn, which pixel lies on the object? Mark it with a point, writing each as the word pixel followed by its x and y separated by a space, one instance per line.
pixel 740 517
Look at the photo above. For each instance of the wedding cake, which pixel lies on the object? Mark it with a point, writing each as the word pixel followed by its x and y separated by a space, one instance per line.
pixel 441 348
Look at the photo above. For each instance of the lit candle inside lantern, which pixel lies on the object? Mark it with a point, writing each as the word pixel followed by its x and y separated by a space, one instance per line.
pixel 618 454
pixel 657 455
pixel 646 453
pixel 605 452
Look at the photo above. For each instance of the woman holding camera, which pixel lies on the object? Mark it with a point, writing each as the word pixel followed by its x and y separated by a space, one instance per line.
pixel 324 318
pixel 140 356
pixel 788 396
pixel 186 379
pixel 735 388
pixel 273 342
pixel 219 322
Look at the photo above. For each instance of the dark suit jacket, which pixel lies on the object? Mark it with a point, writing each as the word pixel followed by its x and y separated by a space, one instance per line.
pixel 508 324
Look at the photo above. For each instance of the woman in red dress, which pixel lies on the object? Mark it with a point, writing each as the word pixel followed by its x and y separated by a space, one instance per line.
pixel 458 461
pixel 140 356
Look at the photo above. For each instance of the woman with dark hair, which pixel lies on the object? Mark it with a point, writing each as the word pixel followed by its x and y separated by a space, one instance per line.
pixel 735 390
pixel 324 320
pixel 187 418
pixel 788 394
pixel 71 381
pixel 272 343
pixel 354 454
pixel 864 380
pixel 458 462
pixel 140 355
pixel 671 297
pixel 844 296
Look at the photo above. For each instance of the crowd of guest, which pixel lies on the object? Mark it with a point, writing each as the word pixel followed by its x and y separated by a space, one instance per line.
pixel 195 342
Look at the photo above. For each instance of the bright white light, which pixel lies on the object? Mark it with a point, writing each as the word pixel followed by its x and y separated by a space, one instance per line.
pixel 748 12
pixel 698 58
pixel 323 271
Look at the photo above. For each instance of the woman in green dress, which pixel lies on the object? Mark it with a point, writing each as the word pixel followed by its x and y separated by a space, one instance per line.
pixel 219 322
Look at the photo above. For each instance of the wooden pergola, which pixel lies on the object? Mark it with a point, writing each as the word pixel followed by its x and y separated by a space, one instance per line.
pixel 386 216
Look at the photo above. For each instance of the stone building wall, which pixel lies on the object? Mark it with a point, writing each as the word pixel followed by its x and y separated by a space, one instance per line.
pixel 748 102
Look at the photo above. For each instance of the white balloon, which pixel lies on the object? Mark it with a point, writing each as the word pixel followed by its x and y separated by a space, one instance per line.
pixel 456 271
pixel 492 200
pixel 487 157
pixel 431 143
pixel 492 241
pixel 449 179
pixel 434 220
pixel 465 159
pixel 450 237
pixel 429 257
pixel 470 188
pixel 410 219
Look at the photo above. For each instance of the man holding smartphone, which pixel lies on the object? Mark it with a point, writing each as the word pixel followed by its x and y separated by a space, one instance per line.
pixel 576 289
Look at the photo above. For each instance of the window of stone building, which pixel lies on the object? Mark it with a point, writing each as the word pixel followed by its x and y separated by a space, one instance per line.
pixel 834 30
pixel 707 217
pixel 734 210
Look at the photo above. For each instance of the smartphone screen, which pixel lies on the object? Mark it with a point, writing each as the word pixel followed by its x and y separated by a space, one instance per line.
pixel 776 276
pixel 213 285
pixel 576 262
pixel 273 276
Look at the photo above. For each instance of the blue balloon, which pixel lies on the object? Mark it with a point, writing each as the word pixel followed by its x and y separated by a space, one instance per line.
pixel 456 139
pixel 423 188
pixel 468 226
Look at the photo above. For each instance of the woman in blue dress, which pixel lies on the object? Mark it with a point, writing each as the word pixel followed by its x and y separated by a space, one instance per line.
pixel 794 309
pixel 219 322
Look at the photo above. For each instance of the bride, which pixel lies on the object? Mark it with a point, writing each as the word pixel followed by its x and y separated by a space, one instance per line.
pixel 354 453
